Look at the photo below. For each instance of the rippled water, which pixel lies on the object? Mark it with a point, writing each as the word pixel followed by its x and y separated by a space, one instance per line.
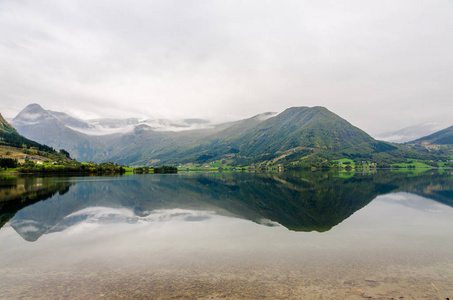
pixel 312 235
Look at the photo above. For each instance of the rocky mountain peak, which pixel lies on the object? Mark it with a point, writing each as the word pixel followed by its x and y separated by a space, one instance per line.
pixel 32 114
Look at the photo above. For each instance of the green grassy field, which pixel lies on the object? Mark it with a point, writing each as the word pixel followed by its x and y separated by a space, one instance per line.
pixel 412 165
pixel 344 160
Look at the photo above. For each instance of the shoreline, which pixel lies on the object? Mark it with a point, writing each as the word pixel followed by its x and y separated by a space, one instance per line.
pixel 229 170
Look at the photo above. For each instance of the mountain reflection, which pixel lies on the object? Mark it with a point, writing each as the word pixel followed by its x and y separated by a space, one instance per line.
pixel 299 201
pixel 16 193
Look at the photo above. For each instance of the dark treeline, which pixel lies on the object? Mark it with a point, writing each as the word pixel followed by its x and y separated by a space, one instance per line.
pixel 166 169
pixel 19 141
pixel 103 168
pixel 8 163
pixel 163 169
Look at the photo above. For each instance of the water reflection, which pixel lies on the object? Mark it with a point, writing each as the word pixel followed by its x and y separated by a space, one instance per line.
pixel 16 193
pixel 299 201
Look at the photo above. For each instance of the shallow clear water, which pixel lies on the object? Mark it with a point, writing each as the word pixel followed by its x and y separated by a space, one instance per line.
pixel 312 235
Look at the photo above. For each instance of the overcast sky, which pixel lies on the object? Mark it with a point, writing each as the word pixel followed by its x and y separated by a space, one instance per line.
pixel 381 65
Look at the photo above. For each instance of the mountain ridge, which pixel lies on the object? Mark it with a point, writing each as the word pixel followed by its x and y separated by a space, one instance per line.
pixel 411 133
pixel 296 136
pixel 441 137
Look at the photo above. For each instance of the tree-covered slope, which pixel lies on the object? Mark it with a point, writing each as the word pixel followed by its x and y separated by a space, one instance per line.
pixel 439 143
pixel 10 137
pixel 5 127
pixel 442 137
pixel 298 133
pixel 293 134
pixel 314 127
pixel 298 136
pixel 145 146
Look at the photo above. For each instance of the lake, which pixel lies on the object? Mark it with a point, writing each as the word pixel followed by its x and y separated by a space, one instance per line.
pixel 288 235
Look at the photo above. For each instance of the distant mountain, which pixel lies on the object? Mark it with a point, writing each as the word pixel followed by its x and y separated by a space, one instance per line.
pixel 34 114
pixel 54 129
pixel 148 147
pixel 10 137
pixel 442 137
pixel 130 141
pixel 297 137
pixel 411 133
pixel 90 140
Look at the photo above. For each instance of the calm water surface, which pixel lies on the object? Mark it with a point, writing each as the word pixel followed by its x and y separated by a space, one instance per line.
pixel 312 235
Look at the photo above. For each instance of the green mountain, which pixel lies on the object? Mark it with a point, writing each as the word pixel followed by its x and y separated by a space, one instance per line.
pixel 299 136
pixel 314 127
pixel 439 143
pixel 288 137
pixel 5 127
pixel 303 130
pixel 443 137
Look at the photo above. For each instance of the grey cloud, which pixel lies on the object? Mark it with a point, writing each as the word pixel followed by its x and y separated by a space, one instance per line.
pixel 223 60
